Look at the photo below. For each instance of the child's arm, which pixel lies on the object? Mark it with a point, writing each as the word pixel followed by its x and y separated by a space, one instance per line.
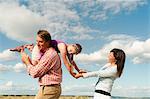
pixel 67 64
pixel 35 55
pixel 70 57
pixel 75 66
pixel 63 51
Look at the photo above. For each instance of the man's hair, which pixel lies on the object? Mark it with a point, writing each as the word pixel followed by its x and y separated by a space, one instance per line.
pixel 78 48
pixel 45 35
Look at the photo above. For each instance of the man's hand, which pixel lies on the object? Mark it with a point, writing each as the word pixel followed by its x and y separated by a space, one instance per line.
pixel 25 58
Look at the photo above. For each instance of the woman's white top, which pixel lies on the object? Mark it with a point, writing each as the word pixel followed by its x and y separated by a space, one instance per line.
pixel 107 74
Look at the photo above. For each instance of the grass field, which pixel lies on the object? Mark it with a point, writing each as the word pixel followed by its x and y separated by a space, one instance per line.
pixel 32 97
pixel 65 97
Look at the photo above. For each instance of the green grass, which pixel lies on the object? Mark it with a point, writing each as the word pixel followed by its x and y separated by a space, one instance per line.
pixel 32 97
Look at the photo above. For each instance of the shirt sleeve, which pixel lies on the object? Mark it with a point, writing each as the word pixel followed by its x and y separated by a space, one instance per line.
pixel 36 53
pixel 45 64
pixel 109 72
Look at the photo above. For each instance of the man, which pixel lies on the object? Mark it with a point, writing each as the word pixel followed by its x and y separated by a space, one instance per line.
pixel 48 70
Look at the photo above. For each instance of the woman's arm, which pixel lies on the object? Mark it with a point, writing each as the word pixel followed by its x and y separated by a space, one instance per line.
pixel 109 72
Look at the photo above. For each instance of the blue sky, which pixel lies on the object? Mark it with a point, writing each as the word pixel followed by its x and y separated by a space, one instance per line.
pixel 98 26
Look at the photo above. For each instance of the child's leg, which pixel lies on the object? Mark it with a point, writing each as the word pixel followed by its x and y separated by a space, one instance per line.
pixel 19 48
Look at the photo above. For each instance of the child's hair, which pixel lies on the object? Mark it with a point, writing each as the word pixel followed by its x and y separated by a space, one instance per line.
pixel 78 48
pixel 120 59
pixel 45 35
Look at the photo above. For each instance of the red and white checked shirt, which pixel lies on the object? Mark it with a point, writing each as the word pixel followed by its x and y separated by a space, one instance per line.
pixel 48 70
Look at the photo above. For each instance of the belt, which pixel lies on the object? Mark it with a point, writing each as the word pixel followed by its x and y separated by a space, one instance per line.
pixel 50 85
pixel 103 92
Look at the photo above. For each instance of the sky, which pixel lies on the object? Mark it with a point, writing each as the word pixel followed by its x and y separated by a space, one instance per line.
pixel 98 25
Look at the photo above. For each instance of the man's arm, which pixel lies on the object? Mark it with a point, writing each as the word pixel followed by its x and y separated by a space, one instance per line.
pixel 45 64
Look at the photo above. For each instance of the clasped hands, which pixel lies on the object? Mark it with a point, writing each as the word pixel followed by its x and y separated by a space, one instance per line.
pixel 80 74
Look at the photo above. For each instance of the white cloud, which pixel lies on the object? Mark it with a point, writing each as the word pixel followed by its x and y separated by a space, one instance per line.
pixel 78 90
pixel 7 55
pixel 19 67
pixel 96 57
pixel 130 91
pixel 63 21
pixel 137 49
pixel 11 88
pixel 4 68
pixel 19 23
pixel 55 16
pixel 121 37
pixel 9 84
pixel 140 51
pixel 61 18
pixel 104 9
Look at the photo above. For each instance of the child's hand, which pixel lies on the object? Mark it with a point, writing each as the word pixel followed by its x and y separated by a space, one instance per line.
pixel 82 71
pixel 73 74
pixel 78 75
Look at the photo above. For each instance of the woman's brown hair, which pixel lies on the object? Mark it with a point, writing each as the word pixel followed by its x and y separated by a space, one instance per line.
pixel 120 56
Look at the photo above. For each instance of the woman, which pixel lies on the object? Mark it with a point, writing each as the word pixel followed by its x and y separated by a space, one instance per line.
pixel 107 74
pixel 66 50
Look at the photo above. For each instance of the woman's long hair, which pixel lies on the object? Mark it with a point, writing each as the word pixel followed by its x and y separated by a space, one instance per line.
pixel 120 56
